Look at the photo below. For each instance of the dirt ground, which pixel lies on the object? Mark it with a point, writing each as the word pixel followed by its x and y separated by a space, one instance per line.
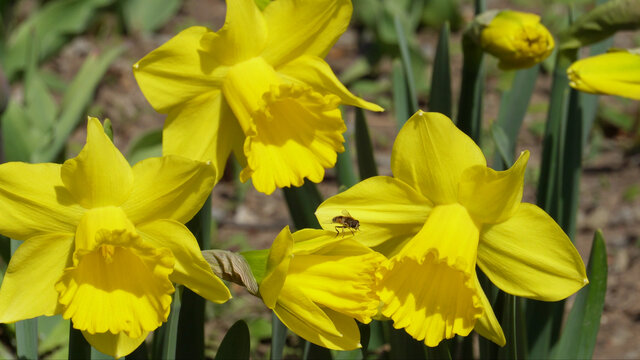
pixel 610 177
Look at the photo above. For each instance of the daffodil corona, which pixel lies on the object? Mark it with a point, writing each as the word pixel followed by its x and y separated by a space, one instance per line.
pixel 103 242
pixel 259 86
pixel 317 283
pixel 443 213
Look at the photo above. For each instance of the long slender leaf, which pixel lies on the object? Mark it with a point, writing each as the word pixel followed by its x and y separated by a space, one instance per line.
pixel 302 202
pixel 440 352
pixel 471 90
pixel 403 43
pixel 578 338
pixel 278 338
pixel 190 337
pixel 236 344
pixel 315 352
pixel 510 350
pixel 400 93
pixel 366 161
pixel 344 165
pixel 165 337
pixel 148 15
pixel 403 346
pixel 440 96
pixel 79 348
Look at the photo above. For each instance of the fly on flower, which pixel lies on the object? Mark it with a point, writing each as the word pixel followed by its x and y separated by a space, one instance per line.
pixel 258 87
pixel 345 221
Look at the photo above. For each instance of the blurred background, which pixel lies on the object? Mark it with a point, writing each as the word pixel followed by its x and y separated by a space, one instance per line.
pixel 65 59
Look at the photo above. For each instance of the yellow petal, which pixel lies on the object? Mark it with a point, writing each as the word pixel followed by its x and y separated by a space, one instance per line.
pixel 99 175
pixel 117 345
pixel 389 211
pixel 530 256
pixel 316 73
pixel 429 288
pixel 38 262
pixel 613 73
pixel 122 285
pixel 430 154
pixel 191 269
pixel 203 129
pixel 34 201
pixel 277 267
pixel 311 27
pixel 178 71
pixel 242 37
pixel 169 187
pixel 493 196
pixel 487 325
pixel 342 283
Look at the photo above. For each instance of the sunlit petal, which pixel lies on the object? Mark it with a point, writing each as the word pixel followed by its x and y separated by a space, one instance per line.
pixel 278 261
pixel 529 255
pixel 430 154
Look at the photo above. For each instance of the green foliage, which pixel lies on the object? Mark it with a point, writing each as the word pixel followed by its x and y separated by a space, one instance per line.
pixel 146 16
pixel 236 343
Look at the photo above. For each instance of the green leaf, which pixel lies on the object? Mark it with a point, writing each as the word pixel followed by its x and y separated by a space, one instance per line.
pixel 471 90
pixel 165 337
pixel 403 43
pixel 440 97
pixel 400 94
pixel 75 100
pixel 315 352
pixel 145 16
pixel 278 338
pixel 49 28
pixel 366 161
pixel 440 352
pixel 26 330
pixel 18 136
pixel 578 338
pixel 302 203
pixel 344 165
pixel 145 146
pixel 236 343
pixel 403 346
pixel 79 348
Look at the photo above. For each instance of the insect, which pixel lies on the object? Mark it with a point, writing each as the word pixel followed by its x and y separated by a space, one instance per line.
pixel 346 221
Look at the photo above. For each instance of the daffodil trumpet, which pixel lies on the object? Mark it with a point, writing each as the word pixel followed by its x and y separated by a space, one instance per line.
pixel 258 87
pixel 103 241
pixel 441 215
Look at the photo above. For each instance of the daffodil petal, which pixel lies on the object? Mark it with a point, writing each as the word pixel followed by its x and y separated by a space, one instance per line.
pixel 487 325
pixel 203 129
pixel 99 175
pixel 38 262
pixel 296 28
pixel 315 72
pixel 168 187
pixel 493 196
pixel 277 267
pixel 430 154
pixel 317 241
pixel 191 269
pixel 613 73
pixel 116 345
pixel 243 35
pixel 34 201
pixel 389 211
pixel 178 71
pixel 530 256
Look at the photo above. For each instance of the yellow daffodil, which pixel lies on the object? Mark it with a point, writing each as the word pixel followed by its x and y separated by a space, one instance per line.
pixel 317 283
pixel 103 241
pixel 443 212
pixel 259 86
pixel 517 39
pixel 613 73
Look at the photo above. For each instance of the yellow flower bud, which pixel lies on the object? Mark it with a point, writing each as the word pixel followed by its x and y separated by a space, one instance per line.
pixel 613 73
pixel 517 39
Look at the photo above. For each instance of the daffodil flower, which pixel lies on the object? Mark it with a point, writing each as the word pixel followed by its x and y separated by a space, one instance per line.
pixel 443 213
pixel 517 39
pixel 259 86
pixel 317 283
pixel 613 73
pixel 103 241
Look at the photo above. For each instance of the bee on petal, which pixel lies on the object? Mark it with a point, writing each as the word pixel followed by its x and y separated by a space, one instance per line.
pixel 345 221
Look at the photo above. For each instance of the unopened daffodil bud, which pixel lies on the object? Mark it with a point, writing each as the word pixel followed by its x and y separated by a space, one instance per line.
pixel 613 73
pixel 517 39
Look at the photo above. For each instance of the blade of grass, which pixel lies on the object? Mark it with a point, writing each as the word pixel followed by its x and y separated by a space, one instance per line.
pixel 190 337
pixel 366 161
pixel 26 330
pixel 440 96
pixel 578 338
pixel 236 343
